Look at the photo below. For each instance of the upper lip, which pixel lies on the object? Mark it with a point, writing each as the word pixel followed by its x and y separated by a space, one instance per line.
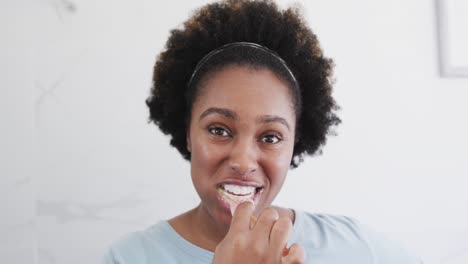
pixel 241 183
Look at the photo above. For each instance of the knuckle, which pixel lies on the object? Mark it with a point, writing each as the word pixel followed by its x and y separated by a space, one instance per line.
pixel 238 243
pixel 296 255
pixel 258 251
pixel 282 226
pixel 270 214
pixel 284 223
pixel 258 247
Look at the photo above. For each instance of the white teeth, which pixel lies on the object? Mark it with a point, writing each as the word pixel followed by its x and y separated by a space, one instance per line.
pixel 235 200
pixel 235 194
pixel 239 190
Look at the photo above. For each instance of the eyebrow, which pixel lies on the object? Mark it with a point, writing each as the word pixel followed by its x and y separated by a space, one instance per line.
pixel 222 111
pixel 232 115
pixel 273 118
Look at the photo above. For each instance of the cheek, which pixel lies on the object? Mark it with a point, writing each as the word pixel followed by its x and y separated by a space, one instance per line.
pixel 205 157
pixel 277 168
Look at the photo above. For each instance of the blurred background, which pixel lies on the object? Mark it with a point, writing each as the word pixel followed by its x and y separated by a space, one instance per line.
pixel 80 166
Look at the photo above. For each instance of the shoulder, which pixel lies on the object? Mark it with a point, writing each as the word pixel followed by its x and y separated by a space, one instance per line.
pixel 325 230
pixel 327 236
pixel 126 249
pixel 386 250
pixel 137 247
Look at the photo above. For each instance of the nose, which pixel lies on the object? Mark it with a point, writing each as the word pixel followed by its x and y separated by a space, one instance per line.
pixel 243 158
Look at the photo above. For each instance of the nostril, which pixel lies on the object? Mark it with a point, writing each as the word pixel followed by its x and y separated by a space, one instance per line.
pixel 241 170
pixel 234 167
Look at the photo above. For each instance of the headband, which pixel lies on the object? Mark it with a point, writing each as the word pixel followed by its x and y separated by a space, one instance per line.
pixel 241 44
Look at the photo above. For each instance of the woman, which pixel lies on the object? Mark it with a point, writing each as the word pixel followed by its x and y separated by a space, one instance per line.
pixel 244 91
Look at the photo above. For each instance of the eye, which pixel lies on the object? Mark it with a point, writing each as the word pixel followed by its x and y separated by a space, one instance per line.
pixel 271 138
pixel 218 131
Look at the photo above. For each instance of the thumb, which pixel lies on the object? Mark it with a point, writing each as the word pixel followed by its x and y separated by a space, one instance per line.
pixel 294 255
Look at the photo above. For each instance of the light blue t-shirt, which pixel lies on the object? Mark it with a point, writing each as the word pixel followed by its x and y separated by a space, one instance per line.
pixel 327 239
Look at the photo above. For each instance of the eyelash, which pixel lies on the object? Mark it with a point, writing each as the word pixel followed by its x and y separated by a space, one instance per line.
pixel 278 138
pixel 216 129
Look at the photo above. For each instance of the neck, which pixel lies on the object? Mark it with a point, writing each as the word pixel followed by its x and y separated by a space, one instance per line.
pixel 199 228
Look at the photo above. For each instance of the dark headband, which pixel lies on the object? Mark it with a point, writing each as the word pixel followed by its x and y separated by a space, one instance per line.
pixel 241 44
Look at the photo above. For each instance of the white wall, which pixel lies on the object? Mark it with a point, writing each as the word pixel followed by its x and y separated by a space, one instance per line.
pixel 80 166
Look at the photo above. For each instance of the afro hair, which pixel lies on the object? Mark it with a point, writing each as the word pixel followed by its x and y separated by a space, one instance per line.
pixel 283 31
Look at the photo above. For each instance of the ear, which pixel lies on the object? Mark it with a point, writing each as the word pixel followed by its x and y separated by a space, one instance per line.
pixel 189 142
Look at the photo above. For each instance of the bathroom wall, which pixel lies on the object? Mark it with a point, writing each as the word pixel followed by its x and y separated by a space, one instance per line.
pixel 80 166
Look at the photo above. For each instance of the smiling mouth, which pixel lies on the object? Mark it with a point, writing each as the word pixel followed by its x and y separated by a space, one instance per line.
pixel 236 194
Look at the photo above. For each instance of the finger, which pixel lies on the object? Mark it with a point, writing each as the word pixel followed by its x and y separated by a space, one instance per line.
pixel 241 218
pixel 265 223
pixel 280 234
pixel 253 221
pixel 296 255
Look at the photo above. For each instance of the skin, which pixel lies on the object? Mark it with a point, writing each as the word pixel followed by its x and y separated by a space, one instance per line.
pixel 242 128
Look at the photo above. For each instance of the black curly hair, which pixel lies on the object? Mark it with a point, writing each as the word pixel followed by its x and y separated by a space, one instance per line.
pixel 282 31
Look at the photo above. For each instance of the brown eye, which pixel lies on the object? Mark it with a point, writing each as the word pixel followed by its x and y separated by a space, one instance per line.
pixel 218 131
pixel 271 139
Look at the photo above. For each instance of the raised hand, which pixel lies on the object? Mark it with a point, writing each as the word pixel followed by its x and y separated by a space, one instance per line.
pixel 262 242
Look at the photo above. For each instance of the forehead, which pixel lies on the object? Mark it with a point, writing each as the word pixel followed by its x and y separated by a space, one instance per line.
pixel 248 90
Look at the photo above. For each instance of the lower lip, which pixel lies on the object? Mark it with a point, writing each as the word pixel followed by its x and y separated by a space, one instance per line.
pixel 224 204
